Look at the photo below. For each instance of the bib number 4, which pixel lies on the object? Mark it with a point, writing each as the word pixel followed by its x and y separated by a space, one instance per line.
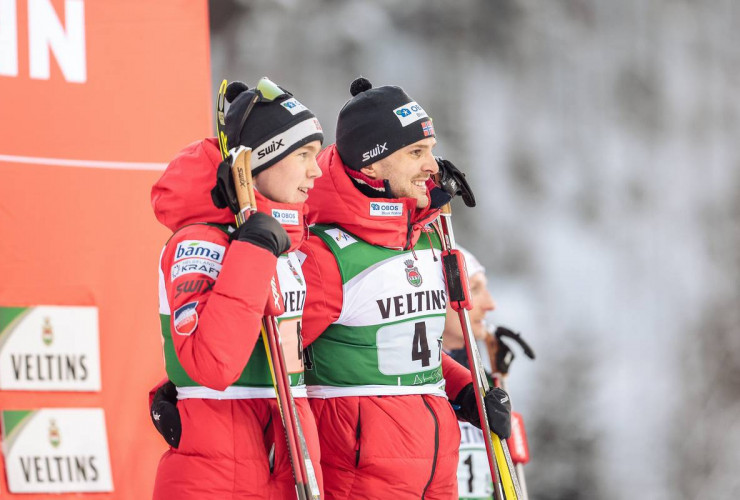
pixel 408 347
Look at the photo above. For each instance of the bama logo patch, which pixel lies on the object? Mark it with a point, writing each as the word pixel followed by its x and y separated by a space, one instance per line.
pixel 385 209
pixel 409 113
pixel 198 248
pixel 286 217
pixel 293 105
pixel 341 238
pixel 186 319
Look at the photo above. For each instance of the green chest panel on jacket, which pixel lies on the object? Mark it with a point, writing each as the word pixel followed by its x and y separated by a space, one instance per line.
pixel 393 312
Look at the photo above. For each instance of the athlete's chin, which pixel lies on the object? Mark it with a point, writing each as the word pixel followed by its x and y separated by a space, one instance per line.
pixel 422 202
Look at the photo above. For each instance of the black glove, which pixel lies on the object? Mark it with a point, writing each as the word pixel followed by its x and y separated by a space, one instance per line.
pixel 165 415
pixel 223 193
pixel 498 409
pixel 265 232
pixel 452 180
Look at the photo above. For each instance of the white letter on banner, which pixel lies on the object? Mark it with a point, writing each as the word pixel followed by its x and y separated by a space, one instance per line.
pixel 8 39
pixel 46 33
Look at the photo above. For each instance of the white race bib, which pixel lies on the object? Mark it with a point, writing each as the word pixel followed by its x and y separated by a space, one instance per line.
pixel 410 347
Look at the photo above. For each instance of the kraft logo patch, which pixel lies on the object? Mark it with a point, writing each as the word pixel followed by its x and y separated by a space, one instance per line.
pixel 186 319
pixel 409 113
pixel 385 209
pixel 195 265
pixel 286 217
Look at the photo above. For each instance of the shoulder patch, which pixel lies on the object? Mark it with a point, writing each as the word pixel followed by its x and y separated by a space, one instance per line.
pixel 199 248
pixel 185 319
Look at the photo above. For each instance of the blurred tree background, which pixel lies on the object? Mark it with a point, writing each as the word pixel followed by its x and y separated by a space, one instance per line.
pixel 598 137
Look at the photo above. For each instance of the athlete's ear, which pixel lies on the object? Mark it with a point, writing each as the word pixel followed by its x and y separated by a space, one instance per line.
pixel 371 170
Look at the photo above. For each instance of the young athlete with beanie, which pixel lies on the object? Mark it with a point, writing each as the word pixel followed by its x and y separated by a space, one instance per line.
pixel 213 287
pixel 378 382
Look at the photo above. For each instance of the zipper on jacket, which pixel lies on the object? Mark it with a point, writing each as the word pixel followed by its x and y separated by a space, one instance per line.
pixel 409 230
pixel 436 446
pixel 357 440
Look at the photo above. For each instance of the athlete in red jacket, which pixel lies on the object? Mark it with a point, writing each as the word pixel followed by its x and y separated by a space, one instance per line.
pixel 377 379
pixel 213 288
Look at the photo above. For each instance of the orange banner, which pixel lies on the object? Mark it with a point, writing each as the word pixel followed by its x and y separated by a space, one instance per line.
pixel 95 97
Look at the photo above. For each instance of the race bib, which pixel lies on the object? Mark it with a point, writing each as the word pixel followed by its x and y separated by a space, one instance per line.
pixel 290 338
pixel 473 473
pixel 411 346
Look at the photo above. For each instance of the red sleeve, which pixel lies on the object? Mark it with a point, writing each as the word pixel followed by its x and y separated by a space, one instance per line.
pixel 216 301
pixel 456 376
pixel 323 289
pixel 154 390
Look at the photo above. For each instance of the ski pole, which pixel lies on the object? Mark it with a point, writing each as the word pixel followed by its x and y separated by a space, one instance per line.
pixel 501 357
pixel 303 472
pixel 505 484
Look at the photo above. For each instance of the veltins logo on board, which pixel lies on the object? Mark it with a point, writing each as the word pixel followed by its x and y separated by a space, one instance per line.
pixel 56 450
pixel 49 348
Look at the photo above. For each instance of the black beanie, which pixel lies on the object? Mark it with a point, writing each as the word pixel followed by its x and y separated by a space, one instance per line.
pixel 377 122
pixel 273 128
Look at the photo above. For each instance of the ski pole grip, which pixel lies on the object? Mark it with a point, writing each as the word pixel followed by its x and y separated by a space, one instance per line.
pixel 241 169
pixel 456 277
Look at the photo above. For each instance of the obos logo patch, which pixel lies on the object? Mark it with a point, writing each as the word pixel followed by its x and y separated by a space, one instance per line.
pixel 409 113
pixel 186 319
pixel 286 217
pixel 385 209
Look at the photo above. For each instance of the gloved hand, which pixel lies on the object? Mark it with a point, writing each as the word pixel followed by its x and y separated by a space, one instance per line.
pixel 265 232
pixel 223 193
pixel 452 180
pixel 165 415
pixel 498 409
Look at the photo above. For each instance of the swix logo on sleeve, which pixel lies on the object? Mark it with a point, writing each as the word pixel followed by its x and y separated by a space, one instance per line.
pixel 293 105
pixel 409 113
pixel 199 248
pixel 286 217
pixel 379 148
pixel 385 209
pixel 186 319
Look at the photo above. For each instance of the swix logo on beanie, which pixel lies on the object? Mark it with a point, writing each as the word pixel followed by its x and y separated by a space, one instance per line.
pixel 272 147
pixel 379 148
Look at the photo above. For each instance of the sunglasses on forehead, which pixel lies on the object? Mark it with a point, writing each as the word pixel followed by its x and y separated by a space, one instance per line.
pixel 265 91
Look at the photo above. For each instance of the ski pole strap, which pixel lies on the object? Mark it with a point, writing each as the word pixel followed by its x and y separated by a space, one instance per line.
pixel 456 277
